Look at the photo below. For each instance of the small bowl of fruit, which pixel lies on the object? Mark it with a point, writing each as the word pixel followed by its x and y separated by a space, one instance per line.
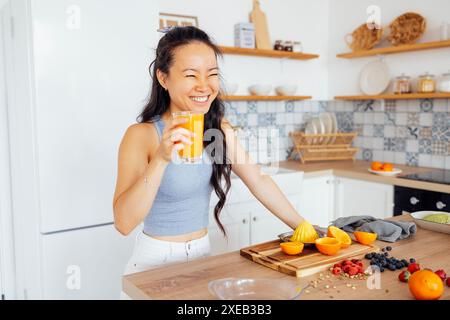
pixel 385 169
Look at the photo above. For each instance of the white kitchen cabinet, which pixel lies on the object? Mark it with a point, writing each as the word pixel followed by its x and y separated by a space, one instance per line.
pixel 317 200
pixel 85 264
pixel 236 221
pixel 246 220
pixel 265 226
pixel 357 197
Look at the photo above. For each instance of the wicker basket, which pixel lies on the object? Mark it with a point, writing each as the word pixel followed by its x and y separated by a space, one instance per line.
pixel 364 38
pixel 406 29
pixel 324 147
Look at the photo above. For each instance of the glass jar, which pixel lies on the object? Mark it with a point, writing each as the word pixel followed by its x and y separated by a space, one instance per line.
pixel 402 84
pixel 297 47
pixel 444 83
pixel 288 46
pixel 427 84
pixel 278 45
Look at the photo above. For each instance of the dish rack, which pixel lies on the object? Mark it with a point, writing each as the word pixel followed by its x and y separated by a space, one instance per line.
pixel 324 147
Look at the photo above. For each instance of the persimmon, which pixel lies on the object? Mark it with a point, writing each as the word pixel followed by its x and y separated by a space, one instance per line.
pixel 426 285
pixel 387 167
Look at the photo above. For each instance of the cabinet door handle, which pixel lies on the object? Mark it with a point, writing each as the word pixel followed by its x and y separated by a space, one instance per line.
pixel 255 219
pixel 414 200
pixel 440 205
pixel 244 221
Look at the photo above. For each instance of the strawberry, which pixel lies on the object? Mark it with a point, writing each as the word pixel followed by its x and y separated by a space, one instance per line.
pixel 413 267
pixel 346 268
pixel 404 276
pixel 448 282
pixel 359 263
pixel 441 273
pixel 337 265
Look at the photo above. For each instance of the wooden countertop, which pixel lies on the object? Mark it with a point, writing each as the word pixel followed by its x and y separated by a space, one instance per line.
pixel 189 281
pixel 358 170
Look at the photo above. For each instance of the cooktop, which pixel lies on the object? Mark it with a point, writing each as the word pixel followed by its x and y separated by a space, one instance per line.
pixel 438 176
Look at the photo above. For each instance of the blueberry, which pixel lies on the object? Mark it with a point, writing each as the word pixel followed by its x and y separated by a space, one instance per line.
pixel 412 260
pixel 381 269
pixel 392 267
pixel 386 254
pixel 399 265
pixel 384 249
pixel 372 263
pixel 388 248
pixel 368 256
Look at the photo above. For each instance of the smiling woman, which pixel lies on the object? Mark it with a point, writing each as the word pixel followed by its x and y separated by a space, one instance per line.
pixel 172 199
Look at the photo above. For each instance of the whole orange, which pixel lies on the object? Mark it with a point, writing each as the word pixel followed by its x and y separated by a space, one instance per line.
pixel 425 285
pixel 387 167
pixel 376 166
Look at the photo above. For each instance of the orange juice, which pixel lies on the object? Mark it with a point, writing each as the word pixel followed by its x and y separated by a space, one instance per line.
pixel 192 153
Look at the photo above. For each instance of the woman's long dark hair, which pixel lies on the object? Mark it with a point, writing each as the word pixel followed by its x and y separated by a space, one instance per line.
pixel 159 103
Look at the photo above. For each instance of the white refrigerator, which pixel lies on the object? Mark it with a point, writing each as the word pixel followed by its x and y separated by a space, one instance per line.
pixel 76 78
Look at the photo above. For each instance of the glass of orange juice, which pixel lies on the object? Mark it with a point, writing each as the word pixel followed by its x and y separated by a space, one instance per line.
pixel 192 153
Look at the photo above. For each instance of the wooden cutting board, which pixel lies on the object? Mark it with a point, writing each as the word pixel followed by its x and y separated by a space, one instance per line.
pixel 308 262
pixel 258 18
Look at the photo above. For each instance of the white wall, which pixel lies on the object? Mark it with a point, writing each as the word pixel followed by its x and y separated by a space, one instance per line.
pixel 347 15
pixel 306 21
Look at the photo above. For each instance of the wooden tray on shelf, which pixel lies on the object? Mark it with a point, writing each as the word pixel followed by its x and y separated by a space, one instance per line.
pixel 324 147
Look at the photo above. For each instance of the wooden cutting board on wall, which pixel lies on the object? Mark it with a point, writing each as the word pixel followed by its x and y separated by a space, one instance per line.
pixel 308 262
pixel 258 18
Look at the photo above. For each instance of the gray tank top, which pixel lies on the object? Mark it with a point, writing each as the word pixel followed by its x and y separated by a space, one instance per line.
pixel 182 202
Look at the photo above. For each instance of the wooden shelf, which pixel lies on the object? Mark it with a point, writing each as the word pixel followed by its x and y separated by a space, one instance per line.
pixel 264 98
pixel 398 49
pixel 397 96
pixel 268 53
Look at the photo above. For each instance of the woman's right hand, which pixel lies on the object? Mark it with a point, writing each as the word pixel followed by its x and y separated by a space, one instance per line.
pixel 174 139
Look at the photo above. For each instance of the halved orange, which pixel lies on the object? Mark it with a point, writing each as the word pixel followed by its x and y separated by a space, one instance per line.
pixel 341 235
pixel 327 245
pixel 292 248
pixel 365 237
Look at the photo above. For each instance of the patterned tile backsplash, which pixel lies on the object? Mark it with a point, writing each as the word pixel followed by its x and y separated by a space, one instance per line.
pixel 412 132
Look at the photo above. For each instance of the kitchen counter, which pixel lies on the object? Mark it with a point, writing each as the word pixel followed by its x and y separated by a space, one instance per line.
pixel 189 281
pixel 358 170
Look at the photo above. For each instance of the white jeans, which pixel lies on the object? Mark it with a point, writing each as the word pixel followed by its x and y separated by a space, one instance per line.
pixel 150 253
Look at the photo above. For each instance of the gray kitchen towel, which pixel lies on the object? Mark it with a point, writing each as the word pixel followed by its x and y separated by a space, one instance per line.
pixel 389 231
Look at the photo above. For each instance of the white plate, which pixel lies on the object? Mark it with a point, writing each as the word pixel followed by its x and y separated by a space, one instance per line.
pixel 374 78
pixel 318 129
pixel 394 172
pixel 334 126
pixel 328 123
pixel 311 129
pixel 439 227
pixel 321 129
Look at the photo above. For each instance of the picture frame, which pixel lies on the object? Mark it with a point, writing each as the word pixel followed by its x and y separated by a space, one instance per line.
pixel 172 20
